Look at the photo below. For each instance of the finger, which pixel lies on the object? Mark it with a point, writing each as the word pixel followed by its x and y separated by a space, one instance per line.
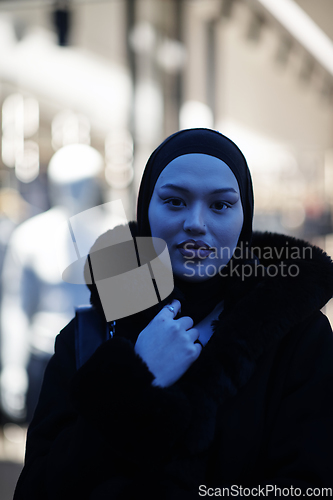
pixel 172 309
pixel 186 322
pixel 198 348
pixel 193 334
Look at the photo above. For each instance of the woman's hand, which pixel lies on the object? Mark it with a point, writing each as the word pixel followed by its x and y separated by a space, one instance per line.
pixel 167 345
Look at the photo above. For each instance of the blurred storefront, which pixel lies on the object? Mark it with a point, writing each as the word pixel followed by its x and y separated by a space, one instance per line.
pixel 122 72
pixel 120 75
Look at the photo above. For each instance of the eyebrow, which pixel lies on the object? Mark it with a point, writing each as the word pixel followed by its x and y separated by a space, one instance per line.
pixel 185 190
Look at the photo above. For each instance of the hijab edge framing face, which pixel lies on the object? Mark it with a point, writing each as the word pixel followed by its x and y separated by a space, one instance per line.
pixel 206 142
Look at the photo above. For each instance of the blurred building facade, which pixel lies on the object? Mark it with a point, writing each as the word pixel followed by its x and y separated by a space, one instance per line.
pixel 121 75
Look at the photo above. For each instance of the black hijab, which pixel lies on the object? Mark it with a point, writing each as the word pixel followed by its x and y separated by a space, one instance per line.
pixel 198 140
pixel 197 299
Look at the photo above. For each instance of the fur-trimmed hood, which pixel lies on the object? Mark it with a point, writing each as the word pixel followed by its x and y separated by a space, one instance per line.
pixel 294 282
pixel 287 283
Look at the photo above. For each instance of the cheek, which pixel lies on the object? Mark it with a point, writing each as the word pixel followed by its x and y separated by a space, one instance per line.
pixel 229 229
pixel 153 218
pixel 158 221
pixel 237 224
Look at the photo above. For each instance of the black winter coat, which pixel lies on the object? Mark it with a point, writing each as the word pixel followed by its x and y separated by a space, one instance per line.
pixel 255 409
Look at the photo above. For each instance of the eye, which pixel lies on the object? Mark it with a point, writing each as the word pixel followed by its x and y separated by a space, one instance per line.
pixel 220 206
pixel 174 202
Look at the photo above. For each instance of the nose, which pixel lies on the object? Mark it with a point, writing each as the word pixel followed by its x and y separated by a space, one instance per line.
pixel 194 221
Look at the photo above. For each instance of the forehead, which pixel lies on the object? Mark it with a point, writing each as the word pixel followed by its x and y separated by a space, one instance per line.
pixel 198 169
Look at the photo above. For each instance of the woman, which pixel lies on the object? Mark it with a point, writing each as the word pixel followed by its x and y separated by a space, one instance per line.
pixel 226 384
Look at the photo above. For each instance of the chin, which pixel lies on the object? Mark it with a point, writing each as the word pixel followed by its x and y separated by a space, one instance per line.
pixel 192 276
pixel 197 279
pixel 194 272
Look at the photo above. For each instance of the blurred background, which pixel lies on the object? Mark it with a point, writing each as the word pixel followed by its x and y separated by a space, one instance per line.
pixel 99 84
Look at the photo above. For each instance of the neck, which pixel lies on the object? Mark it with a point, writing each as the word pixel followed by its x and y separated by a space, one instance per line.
pixel 199 299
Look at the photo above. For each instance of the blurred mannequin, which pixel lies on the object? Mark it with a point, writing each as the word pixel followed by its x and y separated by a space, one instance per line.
pixel 13 211
pixel 36 302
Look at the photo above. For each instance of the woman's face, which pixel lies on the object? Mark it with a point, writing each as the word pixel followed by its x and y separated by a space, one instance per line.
pixel 196 209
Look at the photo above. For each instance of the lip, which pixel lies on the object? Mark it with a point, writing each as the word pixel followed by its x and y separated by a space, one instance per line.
pixel 195 249
pixel 194 244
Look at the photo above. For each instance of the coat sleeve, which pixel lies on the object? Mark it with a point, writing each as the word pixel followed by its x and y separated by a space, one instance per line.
pixel 104 421
pixel 299 447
